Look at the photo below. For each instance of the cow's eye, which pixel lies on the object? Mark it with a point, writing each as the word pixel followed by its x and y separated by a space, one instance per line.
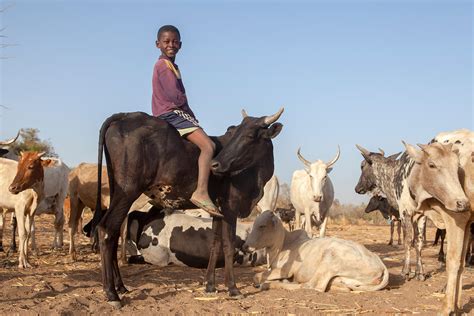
pixel 261 226
pixel 30 167
pixel 431 164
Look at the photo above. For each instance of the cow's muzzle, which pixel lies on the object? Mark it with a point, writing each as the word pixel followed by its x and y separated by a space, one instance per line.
pixel 463 205
pixel 217 168
pixel 14 189
pixel 247 249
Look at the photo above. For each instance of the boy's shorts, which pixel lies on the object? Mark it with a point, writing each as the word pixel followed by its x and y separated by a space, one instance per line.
pixel 181 120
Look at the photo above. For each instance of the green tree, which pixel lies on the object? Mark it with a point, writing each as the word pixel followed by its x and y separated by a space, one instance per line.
pixel 30 141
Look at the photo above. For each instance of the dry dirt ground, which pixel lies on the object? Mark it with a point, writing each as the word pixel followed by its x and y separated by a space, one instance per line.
pixel 58 286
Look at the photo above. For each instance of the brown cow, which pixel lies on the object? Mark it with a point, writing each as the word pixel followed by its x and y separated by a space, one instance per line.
pixel 25 192
pixel 83 193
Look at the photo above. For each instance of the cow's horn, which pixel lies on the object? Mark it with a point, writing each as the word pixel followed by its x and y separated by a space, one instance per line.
pixel 423 147
pixel 303 160
pixel 244 114
pixel 329 164
pixel 11 141
pixel 364 151
pixel 272 118
pixel 382 152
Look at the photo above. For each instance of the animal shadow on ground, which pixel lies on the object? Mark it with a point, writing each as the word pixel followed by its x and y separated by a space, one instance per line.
pixel 469 306
pixel 384 250
pixel 53 287
pixel 396 281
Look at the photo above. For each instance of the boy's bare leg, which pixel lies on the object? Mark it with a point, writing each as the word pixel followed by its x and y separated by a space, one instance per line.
pixel 207 147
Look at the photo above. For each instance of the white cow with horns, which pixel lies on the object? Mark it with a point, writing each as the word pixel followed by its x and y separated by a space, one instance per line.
pixel 312 193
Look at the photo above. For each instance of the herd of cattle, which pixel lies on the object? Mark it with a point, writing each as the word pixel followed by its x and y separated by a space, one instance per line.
pixel 143 195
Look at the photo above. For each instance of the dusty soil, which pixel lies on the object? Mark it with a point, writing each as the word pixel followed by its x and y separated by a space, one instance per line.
pixel 58 286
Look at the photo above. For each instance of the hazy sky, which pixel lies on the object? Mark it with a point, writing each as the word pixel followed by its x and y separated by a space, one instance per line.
pixel 347 72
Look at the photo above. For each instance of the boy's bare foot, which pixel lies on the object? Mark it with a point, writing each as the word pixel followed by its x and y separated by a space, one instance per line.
pixel 206 204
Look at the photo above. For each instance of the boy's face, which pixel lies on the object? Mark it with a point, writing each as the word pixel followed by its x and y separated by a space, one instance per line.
pixel 169 44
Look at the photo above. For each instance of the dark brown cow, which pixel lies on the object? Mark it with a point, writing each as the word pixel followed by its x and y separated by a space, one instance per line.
pixel 146 155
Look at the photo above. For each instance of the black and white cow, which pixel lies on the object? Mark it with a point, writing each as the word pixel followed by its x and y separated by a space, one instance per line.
pixel 162 237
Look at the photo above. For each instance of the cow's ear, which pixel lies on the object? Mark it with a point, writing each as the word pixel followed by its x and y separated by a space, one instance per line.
pixel 328 170
pixel 3 151
pixel 273 130
pixel 231 128
pixel 274 220
pixel 414 153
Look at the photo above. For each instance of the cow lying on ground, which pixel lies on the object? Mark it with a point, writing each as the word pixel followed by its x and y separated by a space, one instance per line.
pixel 163 237
pixel 319 263
pixel 378 203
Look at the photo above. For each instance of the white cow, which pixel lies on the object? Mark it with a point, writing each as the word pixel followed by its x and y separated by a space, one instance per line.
pixel 318 263
pixel 56 174
pixel 270 195
pixel 312 193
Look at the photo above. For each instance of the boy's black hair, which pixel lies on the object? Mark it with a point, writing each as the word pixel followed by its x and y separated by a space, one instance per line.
pixel 167 28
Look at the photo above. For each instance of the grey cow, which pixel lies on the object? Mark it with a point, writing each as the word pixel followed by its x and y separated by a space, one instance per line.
pixel 378 203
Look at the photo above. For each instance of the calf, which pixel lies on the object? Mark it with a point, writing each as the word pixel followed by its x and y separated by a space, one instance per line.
pixel 161 237
pixel 319 263
pixel 388 212
pixel 287 216
pixel 21 189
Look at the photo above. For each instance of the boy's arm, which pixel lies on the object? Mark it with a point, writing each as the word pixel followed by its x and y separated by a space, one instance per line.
pixel 169 84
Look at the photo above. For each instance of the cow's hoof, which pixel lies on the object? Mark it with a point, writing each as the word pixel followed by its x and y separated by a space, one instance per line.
pixel 115 304
pixel 122 289
pixel 420 276
pixel 210 289
pixel 236 297
pixel 235 294
pixel 257 285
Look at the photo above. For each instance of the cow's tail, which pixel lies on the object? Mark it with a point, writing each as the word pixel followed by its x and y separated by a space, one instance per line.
pixel 99 212
pixel 383 283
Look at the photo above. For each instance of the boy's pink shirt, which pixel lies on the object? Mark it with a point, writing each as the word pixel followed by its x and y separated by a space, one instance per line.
pixel 168 91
